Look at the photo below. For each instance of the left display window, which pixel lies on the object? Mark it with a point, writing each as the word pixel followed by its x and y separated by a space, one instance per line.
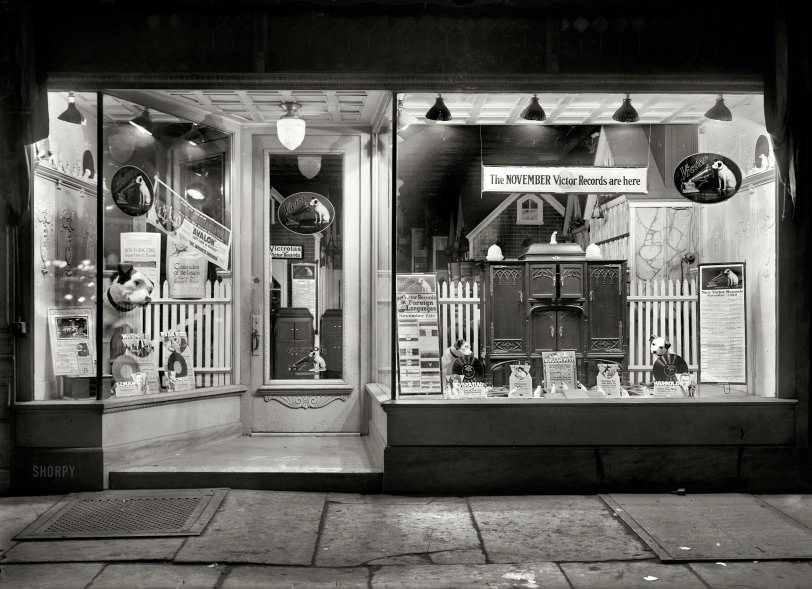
pixel 155 277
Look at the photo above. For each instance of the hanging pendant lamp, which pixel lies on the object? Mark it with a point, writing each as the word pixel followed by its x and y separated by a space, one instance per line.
pixel 719 111
pixel 143 122
pixel 290 128
pixel 533 112
pixel 626 113
pixel 439 112
pixel 72 114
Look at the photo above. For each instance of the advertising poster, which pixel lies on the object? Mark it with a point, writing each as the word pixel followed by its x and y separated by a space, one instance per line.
pixel 418 335
pixel 304 288
pixel 559 370
pixel 722 324
pixel 141 349
pixel 178 364
pixel 72 339
pixel 143 251
pixel 173 215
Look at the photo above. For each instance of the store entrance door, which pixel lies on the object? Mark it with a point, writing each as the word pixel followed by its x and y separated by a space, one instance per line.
pixel 306 322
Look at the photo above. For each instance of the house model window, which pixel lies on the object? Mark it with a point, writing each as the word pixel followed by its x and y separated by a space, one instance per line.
pixel 530 210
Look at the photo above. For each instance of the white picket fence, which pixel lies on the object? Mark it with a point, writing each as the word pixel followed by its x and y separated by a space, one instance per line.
pixel 208 324
pixel 459 313
pixel 666 308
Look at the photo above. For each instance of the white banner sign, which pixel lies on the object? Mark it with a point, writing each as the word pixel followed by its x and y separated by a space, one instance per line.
pixel 565 180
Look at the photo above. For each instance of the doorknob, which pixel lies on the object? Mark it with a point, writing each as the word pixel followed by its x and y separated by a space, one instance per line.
pixel 521 296
pixel 561 331
pixel 256 329
pixel 552 331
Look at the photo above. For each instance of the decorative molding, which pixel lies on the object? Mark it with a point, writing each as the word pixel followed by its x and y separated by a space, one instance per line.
pixel 544 273
pixel 63 180
pixel 507 345
pixel 571 273
pixel 606 344
pixel 311 401
pixel 506 276
pixel 606 275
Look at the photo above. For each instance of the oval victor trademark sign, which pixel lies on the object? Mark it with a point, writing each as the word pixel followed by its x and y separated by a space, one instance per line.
pixel 707 178
pixel 306 213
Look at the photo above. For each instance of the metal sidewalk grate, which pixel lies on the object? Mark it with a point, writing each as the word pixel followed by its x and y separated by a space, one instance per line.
pixel 127 514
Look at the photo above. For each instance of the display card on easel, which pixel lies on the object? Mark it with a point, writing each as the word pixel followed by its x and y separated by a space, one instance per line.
pixel 608 379
pixel 418 334
pixel 142 349
pixel 559 370
pixel 143 251
pixel 178 364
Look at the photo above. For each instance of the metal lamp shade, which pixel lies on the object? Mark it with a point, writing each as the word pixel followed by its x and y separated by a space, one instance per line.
pixel 143 122
pixel 533 112
pixel 439 112
pixel 719 111
pixel 72 114
pixel 626 113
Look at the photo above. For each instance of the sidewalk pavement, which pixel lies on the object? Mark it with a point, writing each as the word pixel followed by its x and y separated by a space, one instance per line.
pixel 268 540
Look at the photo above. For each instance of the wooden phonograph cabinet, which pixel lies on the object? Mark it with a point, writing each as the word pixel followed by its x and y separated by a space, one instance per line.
pixel 552 298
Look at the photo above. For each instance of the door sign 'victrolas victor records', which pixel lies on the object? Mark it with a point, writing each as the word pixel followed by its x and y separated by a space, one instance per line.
pixel 707 178
pixel 132 190
pixel 306 213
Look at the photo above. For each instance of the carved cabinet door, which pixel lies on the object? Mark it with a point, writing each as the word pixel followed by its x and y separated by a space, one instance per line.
pixel 606 308
pixel 569 330
pixel 543 330
pixel 543 281
pixel 507 309
pixel 571 281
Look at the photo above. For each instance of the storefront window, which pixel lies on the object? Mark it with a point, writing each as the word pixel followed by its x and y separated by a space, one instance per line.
pixel 613 249
pixel 64 240
pixel 165 308
pixel 167 252
pixel 304 263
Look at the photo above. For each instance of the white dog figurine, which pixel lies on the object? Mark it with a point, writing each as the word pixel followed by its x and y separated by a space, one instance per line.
pixel 322 213
pixel 726 177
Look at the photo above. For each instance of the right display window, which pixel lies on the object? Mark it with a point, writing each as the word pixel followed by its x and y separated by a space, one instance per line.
pixel 585 245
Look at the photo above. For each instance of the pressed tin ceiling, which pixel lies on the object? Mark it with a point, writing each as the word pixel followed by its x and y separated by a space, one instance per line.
pixel 362 108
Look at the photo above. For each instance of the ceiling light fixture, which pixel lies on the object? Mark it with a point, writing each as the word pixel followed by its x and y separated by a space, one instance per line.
pixel 719 111
pixel 143 122
pixel 439 112
pixel 309 165
pixel 626 113
pixel 72 114
pixel 534 112
pixel 196 191
pixel 290 128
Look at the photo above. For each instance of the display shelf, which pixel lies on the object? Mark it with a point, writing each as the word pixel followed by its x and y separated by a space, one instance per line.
pixel 61 179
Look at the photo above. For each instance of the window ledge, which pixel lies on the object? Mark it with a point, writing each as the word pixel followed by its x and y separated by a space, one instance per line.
pixel 113 405
pixel 502 401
